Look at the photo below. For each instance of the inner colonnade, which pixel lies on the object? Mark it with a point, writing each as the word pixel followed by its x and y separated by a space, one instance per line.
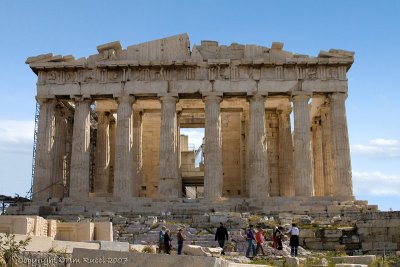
pixel 109 125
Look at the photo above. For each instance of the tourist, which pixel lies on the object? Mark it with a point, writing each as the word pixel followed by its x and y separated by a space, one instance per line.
pixel 221 235
pixel 274 238
pixel 250 236
pixel 161 247
pixel 180 237
pixel 279 237
pixel 294 239
pixel 260 240
pixel 167 242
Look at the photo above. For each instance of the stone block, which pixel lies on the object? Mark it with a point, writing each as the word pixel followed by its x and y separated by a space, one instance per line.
pixel 119 220
pixel 194 250
pixel 350 265
pixel 37 243
pixel 66 210
pixel 336 233
pixel 198 219
pixel 114 246
pixel 217 218
pixel 21 225
pixel 103 231
pixel 70 231
pixel 69 246
pixel 364 259
pixel 307 233
pixel 52 228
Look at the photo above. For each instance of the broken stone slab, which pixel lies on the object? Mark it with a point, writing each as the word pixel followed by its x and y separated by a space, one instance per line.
pixel 114 246
pixel 195 250
pixel 364 259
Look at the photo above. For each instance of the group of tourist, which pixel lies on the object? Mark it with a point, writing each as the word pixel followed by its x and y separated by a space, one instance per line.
pixel 254 238
pixel 164 240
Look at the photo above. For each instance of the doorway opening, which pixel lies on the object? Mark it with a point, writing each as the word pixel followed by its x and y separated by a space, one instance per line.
pixel 192 162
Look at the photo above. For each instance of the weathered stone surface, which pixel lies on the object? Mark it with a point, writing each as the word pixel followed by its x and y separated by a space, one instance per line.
pixel 144 259
pixel 365 259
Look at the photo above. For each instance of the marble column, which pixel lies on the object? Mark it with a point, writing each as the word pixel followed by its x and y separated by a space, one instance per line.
pixel 169 172
pixel 80 157
pixel 327 149
pixel 59 152
pixel 286 179
pixel 42 181
pixel 340 146
pixel 102 156
pixel 137 153
pixel 123 172
pixel 213 175
pixel 257 146
pixel 318 162
pixel 302 146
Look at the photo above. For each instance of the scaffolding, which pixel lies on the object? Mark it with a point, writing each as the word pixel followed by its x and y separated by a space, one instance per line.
pixel 35 131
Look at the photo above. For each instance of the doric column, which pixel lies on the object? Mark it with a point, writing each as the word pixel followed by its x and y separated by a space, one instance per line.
pixel 102 156
pixel 286 180
pixel 327 149
pixel 340 146
pixel 302 146
pixel 169 173
pixel 137 153
pixel 123 172
pixel 59 152
pixel 213 175
pixel 113 127
pixel 318 163
pixel 257 146
pixel 80 158
pixel 42 181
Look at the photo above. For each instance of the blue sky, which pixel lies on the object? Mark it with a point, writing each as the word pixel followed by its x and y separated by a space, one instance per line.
pixel 370 28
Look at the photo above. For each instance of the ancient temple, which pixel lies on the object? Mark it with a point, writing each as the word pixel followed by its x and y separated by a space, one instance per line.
pixel 274 121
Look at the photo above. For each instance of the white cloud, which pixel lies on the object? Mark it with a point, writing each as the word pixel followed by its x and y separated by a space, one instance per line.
pixel 379 147
pixel 376 183
pixel 16 136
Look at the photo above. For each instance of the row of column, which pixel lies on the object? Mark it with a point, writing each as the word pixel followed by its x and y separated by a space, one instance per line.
pixel 300 175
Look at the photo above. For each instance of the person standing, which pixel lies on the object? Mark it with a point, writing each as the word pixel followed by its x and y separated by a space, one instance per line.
pixel 294 239
pixel 279 237
pixel 180 237
pixel 167 242
pixel 221 235
pixel 260 240
pixel 250 236
pixel 161 240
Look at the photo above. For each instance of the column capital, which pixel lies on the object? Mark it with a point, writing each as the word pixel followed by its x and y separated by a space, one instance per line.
pixel 80 98
pixel 42 100
pixel 300 96
pixel 256 97
pixel 169 98
pixel 212 96
pixel 125 98
pixel 338 96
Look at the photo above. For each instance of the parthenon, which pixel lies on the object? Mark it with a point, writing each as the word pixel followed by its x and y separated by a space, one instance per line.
pixel 109 124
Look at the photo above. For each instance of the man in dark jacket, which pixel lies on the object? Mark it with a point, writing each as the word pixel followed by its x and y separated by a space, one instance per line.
pixel 221 235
